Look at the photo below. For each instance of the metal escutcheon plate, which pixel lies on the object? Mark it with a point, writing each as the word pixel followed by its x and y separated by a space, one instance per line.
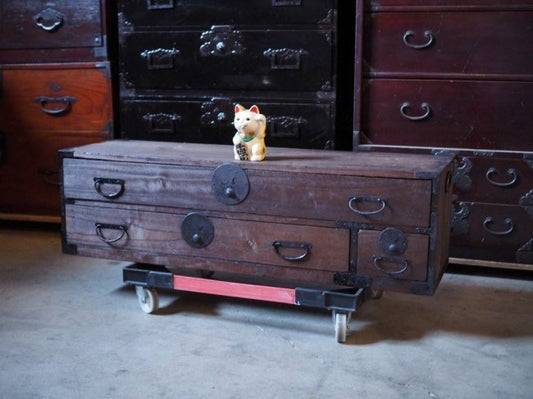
pixel 197 230
pixel 230 184
pixel 392 241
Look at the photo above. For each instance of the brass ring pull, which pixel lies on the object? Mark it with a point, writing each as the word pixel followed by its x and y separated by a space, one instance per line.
pixel 306 247
pixel 404 263
pixel 353 200
pixel 511 172
pixel 102 226
pixel 65 101
pixel 100 181
pixel 508 222
pixel 407 36
pixel 424 106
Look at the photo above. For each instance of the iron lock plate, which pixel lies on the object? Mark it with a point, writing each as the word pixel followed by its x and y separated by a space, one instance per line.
pixel 230 184
pixel 392 241
pixel 197 230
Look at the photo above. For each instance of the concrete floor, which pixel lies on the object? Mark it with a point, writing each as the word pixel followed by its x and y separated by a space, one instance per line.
pixel 69 328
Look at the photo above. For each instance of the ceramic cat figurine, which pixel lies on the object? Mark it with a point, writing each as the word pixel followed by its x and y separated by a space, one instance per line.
pixel 249 141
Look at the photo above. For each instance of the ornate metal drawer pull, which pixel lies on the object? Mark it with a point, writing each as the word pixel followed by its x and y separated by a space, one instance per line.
pixel 99 181
pixel 102 226
pixel 407 36
pixel 306 247
pixel 404 263
pixel 221 41
pixel 511 172
pixel 508 222
pixel 353 200
pixel 48 20
pixel 66 101
pixel 424 106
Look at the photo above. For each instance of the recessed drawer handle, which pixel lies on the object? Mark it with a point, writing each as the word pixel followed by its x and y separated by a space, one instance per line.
pixel 118 227
pixel 511 172
pixel 65 102
pixel 354 200
pixel 306 247
pixel 101 181
pixel 407 36
pixel 407 105
pixel 508 222
pixel 378 260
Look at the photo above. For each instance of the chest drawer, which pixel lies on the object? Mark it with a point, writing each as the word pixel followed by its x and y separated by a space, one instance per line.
pixel 449 113
pixel 58 97
pixel 224 58
pixel 42 24
pixel 164 13
pixel 444 42
pixel 331 197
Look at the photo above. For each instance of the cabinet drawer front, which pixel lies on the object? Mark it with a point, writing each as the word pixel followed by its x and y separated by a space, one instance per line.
pixel 59 99
pixel 444 42
pixel 166 13
pixel 228 59
pixel 40 24
pixel 457 114
pixel 374 262
pixel 491 231
pixel 494 179
pixel 159 234
pixel 444 4
pixel 208 120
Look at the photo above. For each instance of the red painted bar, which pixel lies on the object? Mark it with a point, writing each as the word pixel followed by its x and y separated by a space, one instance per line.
pixel 236 290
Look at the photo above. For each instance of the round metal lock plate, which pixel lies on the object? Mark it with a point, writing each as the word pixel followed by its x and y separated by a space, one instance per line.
pixel 230 184
pixel 392 241
pixel 197 230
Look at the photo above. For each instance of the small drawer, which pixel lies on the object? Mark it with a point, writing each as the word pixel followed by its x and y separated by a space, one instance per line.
pixel 492 232
pixel 381 255
pixel 448 113
pixel 226 58
pixel 165 13
pixel 333 197
pixel 494 179
pixel 445 43
pixel 209 120
pixel 67 97
pixel 127 230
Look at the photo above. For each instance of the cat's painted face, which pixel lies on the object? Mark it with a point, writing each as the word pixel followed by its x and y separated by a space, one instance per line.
pixel 246 120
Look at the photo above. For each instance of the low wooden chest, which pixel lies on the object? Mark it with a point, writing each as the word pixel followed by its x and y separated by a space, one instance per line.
pixel 376 220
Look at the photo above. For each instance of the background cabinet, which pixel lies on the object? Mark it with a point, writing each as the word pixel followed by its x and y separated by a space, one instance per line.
pixel 450 76
pixel 55 92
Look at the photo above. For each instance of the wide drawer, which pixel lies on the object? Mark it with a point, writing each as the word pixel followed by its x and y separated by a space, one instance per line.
pixel 325 197
pixel 445 43
pixel 448 113
pixel 224 58
pixel 57 97
pixel 130 229
pixel 495 179
pixel 492 232
pixel 209 120
pixel 35 24
pixel 29 173
pixel 445 4
pixel 164 13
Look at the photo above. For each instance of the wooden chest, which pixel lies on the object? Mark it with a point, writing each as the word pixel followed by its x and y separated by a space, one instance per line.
pixel 317 217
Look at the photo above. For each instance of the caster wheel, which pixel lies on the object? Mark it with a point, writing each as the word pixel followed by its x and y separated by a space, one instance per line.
pixel 341 326
pixel 148 299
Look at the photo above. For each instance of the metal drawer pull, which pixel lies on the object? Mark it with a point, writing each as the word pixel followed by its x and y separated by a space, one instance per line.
pixel 48 174
pixel 424 106
pixel 66 101
pixel 511 172
pixel 102 226
pixel 306 247
pixel 407 36
pixel 508 222
pixel 353 200
pixel 99 181
pixel 385 259
pixel 48 19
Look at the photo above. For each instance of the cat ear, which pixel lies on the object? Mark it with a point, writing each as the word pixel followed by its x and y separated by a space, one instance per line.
pixel 254 109
pixel 239 108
